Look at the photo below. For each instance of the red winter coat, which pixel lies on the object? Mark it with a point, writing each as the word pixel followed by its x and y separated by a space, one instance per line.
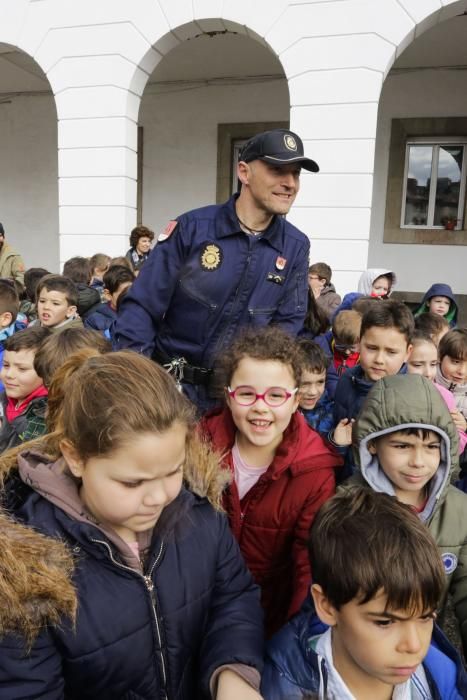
pixel 273 520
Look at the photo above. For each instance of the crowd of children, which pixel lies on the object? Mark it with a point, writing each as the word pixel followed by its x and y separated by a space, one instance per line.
pixel 168 555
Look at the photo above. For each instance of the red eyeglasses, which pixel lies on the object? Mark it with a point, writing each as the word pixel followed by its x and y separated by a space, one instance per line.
pixel 247 396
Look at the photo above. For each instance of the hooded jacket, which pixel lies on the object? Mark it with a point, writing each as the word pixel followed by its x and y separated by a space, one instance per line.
pixel 365 283
pixel 440 290
pixel 101 319
pixel 141 632
pixel 400 402
pixel 293 669
pixel 328 300
pixel 272 521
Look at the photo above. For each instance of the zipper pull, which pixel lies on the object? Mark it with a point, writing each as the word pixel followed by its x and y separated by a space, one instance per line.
pixel 149 583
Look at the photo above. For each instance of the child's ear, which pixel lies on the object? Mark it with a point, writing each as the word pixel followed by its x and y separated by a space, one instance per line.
pixel 6 319
pixel 71 311
pixel 409 350
pixel 107 295
pixel 371 447
pixel 324 609
pixel 72 458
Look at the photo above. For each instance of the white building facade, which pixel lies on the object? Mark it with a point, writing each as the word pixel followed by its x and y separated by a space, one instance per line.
pixel 122 110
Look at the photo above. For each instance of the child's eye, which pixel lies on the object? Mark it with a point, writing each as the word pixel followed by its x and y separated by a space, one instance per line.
pixel 384 623
pixel 131 484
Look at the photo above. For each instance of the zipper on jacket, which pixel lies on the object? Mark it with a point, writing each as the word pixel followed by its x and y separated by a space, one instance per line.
pixel 150 588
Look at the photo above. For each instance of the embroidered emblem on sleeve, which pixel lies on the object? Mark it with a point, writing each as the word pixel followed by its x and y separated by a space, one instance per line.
pixel 167 232
pixel 211 257
pixel 449 561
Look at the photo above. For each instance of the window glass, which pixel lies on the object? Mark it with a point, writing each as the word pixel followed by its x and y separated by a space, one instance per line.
pixel 418 185
pixel 448 184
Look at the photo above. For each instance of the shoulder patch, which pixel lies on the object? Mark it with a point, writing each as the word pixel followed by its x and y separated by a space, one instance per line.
pixel 449 561
pixel 167 232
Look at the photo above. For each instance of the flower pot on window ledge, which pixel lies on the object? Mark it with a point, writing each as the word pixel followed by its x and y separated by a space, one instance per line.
pixel 449 223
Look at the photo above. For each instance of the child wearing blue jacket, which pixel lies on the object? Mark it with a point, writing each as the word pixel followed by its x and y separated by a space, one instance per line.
pixel 379 603
pixel 161 604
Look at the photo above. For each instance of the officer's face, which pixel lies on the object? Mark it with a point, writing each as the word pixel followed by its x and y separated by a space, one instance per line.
pixel 271 188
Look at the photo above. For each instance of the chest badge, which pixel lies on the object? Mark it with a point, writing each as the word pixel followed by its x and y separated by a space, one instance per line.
pixel 211 257
pixel 280 263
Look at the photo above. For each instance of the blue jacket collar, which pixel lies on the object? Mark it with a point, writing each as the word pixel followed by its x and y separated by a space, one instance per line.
pixel 229 226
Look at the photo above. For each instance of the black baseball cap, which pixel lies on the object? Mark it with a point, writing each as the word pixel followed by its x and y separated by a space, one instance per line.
pixel 279 147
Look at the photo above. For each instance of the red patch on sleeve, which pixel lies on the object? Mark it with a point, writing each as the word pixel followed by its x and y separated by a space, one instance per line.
pixel 167 232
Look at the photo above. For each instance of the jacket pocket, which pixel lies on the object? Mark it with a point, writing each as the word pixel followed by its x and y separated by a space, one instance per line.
pixel 261 317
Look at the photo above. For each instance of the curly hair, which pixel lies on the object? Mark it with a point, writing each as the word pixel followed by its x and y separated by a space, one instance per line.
pixel 269 343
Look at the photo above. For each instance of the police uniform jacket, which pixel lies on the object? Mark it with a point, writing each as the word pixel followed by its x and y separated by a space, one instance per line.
pixel 207 278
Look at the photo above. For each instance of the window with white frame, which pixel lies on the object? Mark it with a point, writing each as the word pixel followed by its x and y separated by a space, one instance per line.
pixel 434 184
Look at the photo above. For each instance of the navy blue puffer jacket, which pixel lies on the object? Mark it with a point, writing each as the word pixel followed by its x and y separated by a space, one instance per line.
pixel 158 636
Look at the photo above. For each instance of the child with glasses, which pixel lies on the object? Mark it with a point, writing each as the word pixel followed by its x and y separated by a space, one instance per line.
pixel 282 471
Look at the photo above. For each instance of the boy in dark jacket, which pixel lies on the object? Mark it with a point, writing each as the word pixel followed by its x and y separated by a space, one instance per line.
pixel 439 299
pixel 342 345
pixel 314 401
pixel 379 602
pixel 117 279
pixel 10 320
pixel 25 398
pixel 386 333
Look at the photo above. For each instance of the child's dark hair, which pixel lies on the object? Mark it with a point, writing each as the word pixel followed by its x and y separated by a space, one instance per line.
pixel 117 275
pixel 454 344
pixel 346 327
pixel 140 232
pixel 9 300
pixel 431 324
pixel 363 542
pixel 59 283
pixel 316 321
pixel 364 303
pixel 121 260
pixel 420 337
pixel 268 343
pixel 78 269
pixel 31 279
pixel 27 339
pixel 58 347
pixel 313 356
pixel 389 314
pixel 322 270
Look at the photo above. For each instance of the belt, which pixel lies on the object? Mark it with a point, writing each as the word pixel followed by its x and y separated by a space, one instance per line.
pixel 182 370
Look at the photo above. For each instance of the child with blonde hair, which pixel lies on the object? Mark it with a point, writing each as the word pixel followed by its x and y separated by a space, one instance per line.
pixel 164 606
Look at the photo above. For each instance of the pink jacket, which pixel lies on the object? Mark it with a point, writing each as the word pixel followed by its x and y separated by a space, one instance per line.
pixel 451 404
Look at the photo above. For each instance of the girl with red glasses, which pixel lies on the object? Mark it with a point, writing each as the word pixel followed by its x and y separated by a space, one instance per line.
pixel 282 470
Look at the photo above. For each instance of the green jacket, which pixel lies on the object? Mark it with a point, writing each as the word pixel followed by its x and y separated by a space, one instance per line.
pixel 11 264
pixel 404 401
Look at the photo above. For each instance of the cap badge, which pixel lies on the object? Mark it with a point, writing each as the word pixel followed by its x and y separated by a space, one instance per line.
pixel 290 142
pixel 211 257
pixel 281 263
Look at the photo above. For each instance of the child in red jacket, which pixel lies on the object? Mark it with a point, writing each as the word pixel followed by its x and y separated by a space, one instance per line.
pixel 282 469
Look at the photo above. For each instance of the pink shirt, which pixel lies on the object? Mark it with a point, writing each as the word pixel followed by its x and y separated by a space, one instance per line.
pixel 451 404
pixel 245 475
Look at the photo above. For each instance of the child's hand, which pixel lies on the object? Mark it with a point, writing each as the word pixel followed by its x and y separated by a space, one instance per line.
pixel 231 686
pixel 342 435
pixel 459 420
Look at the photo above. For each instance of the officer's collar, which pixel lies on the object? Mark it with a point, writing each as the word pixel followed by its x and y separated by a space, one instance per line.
pixel 228 225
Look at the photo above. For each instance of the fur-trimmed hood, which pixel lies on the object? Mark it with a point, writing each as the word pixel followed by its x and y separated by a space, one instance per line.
pixel 36 586
pixel 35 580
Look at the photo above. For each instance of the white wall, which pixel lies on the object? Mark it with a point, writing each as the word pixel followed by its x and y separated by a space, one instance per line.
pixel 28 178
pixel 180 141
pixel 428 93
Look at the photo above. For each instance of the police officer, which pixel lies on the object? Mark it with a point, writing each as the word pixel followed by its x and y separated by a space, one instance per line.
pixel 219 268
